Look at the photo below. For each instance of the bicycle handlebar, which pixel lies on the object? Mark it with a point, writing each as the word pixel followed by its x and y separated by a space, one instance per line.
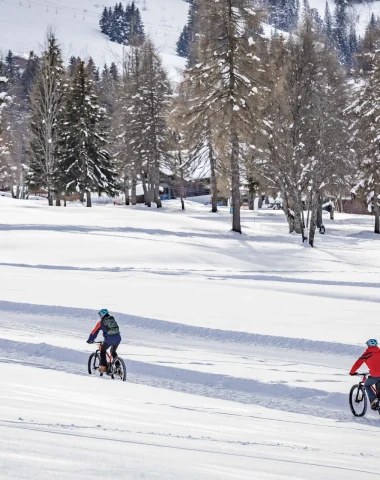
pixel 363 374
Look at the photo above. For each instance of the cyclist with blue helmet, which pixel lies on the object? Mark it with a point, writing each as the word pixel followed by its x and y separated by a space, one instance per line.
pixel 111 334
pixel 372 358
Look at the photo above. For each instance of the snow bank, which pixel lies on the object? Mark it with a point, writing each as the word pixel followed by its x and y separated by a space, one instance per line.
pixel 172 328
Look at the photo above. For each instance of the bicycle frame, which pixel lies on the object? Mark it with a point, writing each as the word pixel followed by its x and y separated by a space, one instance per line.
pixel 362 386
pixel 109 356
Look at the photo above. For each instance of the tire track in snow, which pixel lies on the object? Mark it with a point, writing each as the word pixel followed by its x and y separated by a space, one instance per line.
pixel 276 396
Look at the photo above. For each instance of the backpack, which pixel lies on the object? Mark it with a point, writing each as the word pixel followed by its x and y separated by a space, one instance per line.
pixel 111 326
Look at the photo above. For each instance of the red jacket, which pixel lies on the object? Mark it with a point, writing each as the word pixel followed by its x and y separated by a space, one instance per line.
pixel 372 358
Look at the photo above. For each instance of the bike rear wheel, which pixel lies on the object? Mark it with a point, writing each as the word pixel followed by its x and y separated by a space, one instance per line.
pixel 358 401
pixel 93 363
pixel 119 370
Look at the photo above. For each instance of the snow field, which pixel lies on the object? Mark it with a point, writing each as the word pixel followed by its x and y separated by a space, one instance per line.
pixel 154 433
pixel 237 347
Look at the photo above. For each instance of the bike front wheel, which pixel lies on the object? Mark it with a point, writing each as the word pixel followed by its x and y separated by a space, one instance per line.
pixel 119 370
pixel 93 363
pixel 358 401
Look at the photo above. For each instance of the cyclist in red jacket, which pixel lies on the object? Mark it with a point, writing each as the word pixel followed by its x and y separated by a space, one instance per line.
pixel 372 358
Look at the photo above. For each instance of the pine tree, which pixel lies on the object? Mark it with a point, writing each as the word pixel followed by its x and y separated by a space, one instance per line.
pixel 368 45
pixel 114 72
pixel 46 105
pixel 328 25
pixel 84 163
pixel 105 72
pixel 341 31
pixel 11 68
pixel 143 106
pixel 128 135
pixel 29 74
pixel 183 42
pixel 92 69
pixel 154 101
pixel 117 31
pixel 73 65
pixel 188 34
pixel 352 45
pixel 105 21
pixel 134 27
pixel 284 14
pixel 228 71
pixel 3 147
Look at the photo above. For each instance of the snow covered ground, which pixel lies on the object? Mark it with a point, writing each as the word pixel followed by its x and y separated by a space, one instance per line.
pixel 23 26
pixel 237 347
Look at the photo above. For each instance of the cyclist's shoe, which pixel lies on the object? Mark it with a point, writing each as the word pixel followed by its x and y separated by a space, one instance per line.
pixel 375 404
pixel 102 369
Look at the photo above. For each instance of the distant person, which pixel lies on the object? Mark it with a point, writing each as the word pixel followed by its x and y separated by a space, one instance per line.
pixel 111 334
pixel 372 358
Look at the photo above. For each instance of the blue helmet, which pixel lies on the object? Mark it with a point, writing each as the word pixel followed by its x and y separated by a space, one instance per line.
pixel 103 312
pixel 372 342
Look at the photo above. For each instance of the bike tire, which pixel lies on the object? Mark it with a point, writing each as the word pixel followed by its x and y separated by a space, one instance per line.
pixel 93 363
pixel 119 372
pixel 358 408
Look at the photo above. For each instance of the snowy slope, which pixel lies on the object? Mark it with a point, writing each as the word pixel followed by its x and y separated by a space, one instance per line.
pixel 360 12
pixel 237 347
pixel 23 26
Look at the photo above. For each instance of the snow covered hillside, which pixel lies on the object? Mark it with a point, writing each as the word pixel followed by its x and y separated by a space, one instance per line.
pixel 237 347
pixel 23 26
pixel 360 12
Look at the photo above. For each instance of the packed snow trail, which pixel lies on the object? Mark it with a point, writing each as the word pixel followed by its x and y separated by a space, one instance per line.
pixel 62 423
pixel 284 374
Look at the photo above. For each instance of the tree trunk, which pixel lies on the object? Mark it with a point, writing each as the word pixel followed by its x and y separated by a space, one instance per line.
pixel 156 192
pixel 319 211
pixel 126 191
pixel 235 181
pixel 310 199
pixel 50 198
pixel 376 211
pixel 58 200
pixel 182 190
pixel 145 189
pixel 89 204
pixel 65 202
pixel 214 183
pixel 22 178
pixel 81 198
pixel 313 219
pixel 251 199
pixel 288 215
pixel 298 224
pixel 332 210
pixel 133 189
pixel 156 188
pixel 18 191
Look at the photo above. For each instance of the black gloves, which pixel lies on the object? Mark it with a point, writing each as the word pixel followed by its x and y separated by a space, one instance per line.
pixel 90 341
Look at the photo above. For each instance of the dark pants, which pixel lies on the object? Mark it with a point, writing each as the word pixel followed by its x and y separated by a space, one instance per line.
pixel 103 355
pixel 368 384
